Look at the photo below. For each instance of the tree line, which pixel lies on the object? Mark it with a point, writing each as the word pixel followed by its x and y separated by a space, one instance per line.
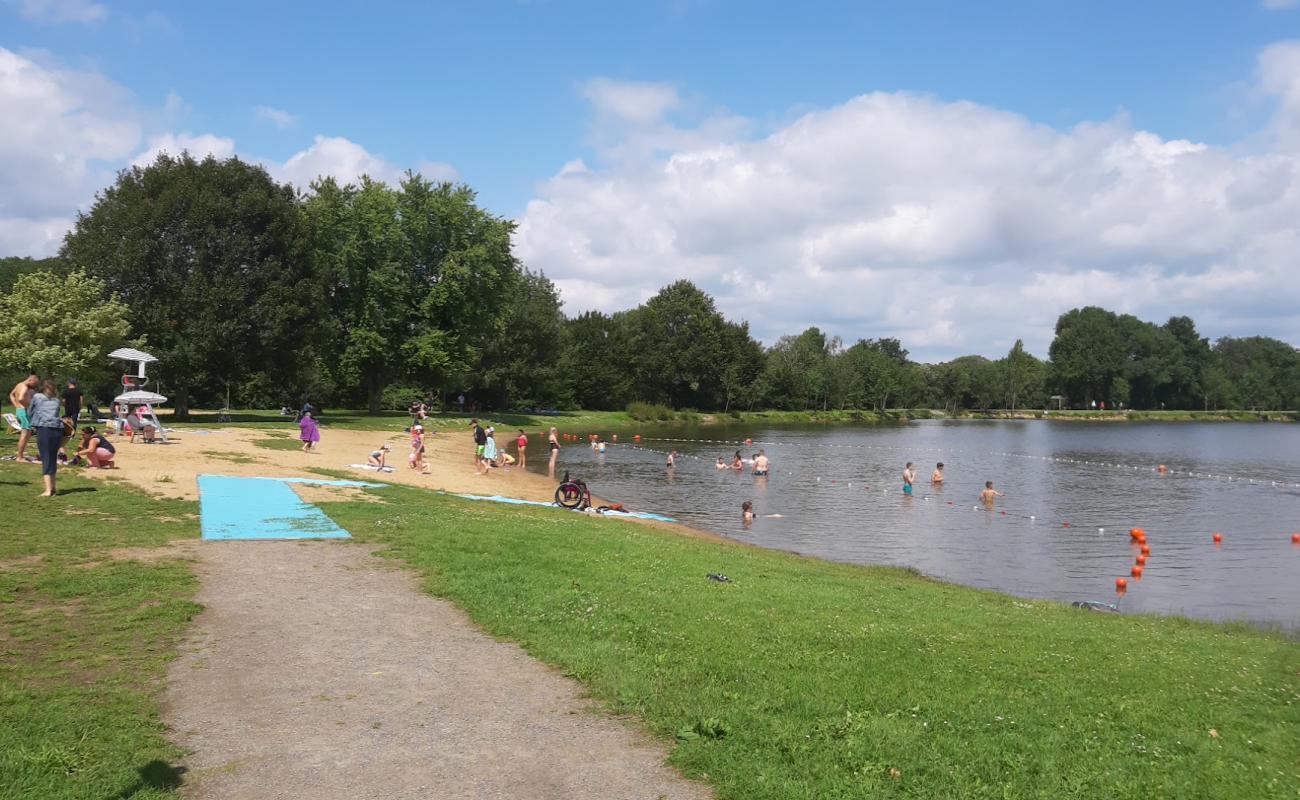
pixel 373 295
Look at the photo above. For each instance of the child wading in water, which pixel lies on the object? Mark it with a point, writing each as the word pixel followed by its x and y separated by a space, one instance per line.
pixel 747 512
pixel 986 496
pixel 309 432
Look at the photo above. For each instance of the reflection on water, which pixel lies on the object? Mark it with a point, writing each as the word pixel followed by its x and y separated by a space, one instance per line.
pixel 839 494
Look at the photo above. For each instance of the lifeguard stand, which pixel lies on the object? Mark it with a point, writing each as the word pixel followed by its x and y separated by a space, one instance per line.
pixel 134 392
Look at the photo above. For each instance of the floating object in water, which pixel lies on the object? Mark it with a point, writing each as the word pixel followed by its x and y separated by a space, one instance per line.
pixel 1141 560
pixel 1031 516
pixel 1295 538
pixel 1121 584
pixel 1145 550
pixel 1101 530
pixel 1136 572
pixel 1065 524
pixel 1218 538
pixel 1134 533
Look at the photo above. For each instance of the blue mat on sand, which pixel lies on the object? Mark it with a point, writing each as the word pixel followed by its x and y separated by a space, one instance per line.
pixel 264 508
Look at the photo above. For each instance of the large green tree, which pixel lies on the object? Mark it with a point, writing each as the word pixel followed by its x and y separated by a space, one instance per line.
pixel 415 280
pixel 60 325
pixel 521 364
pixel 208 257
pixel 1088 354
pixel 678 337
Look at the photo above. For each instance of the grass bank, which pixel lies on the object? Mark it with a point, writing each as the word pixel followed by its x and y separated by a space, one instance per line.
pixel 86 631
pixel 806 679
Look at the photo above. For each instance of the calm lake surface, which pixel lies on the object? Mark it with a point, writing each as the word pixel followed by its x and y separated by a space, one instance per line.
pixel 839 493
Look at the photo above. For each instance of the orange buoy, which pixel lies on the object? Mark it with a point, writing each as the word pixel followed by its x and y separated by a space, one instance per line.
pixel 1145 550
pixel 636 438
pixel 1218 538
pixel 1136 572
pixel 1121 584
pixel 1134 533
pixel 1141 560
pixel 1295 538
pixel 1065 524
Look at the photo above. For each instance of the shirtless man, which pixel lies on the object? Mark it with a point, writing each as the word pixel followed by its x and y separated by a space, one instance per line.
pixel 909 477
pixel 986 496
pixel 21 397
pixel 936 477
pixel 760 464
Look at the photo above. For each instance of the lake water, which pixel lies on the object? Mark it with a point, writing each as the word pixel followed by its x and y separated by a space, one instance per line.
pixel 839 493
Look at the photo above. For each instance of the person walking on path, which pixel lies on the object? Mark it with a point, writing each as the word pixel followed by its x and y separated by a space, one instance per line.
pixel 553 442
pixel 72 402
pixel 309 432
pixel 21 397
pixel 43 412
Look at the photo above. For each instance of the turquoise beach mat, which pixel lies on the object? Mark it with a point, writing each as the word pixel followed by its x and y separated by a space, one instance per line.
pixel 264 508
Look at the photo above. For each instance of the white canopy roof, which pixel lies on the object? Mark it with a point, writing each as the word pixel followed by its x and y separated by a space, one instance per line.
pixel 140 397
pixel 131 354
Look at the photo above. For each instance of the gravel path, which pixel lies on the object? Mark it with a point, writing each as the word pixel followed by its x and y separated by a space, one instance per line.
pixel 319 671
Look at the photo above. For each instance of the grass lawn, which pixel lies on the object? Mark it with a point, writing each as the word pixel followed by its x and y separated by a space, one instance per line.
pixel 805 679
pixel 85 637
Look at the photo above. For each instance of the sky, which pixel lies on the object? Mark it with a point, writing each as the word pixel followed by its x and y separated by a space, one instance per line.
pixel 953 174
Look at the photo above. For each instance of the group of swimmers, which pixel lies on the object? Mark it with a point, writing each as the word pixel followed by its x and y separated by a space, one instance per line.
pixel 759 463
pixel 936 479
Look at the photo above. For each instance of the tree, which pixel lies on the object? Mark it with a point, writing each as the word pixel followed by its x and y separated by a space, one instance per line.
pixel 742 359
pixel 13 267
pixel 1023 374
pixel 62 325
pixel 677 337
pixel 1264 372
pixel 207 255
pixel 1088 353
pixel 521 363
pixel 596 362
pixel 414 280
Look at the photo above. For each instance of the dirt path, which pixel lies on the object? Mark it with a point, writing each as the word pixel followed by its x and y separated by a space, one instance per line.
pixel 319 671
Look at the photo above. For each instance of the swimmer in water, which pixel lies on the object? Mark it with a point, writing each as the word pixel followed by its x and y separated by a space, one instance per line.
pixel 936 477
pixel 672 459
pixel 986 496
pixel 909 477
pixel 721 464
pixel 760 464
pixel 747 511
pixel 738 462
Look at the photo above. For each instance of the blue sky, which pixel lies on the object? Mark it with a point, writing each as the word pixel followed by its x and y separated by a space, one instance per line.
pixel 500 95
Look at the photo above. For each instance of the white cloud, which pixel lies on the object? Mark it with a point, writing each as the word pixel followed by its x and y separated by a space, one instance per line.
pixel 1278 5
pixel 62 132
pixel 200 146
pixel 60 11
pixel 956 226
pixel 333 155
pixel 276 116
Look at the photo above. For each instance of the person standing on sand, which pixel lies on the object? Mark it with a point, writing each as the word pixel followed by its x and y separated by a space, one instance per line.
pixel 909 477
pixel 308 432
pixel 21 397
pixel 552 441
pixel 43 413
pixel 480 441
pixel 72 402
pixel 520 444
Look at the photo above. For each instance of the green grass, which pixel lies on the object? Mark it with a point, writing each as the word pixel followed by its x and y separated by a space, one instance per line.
pixel 85 638
pixel 806 679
